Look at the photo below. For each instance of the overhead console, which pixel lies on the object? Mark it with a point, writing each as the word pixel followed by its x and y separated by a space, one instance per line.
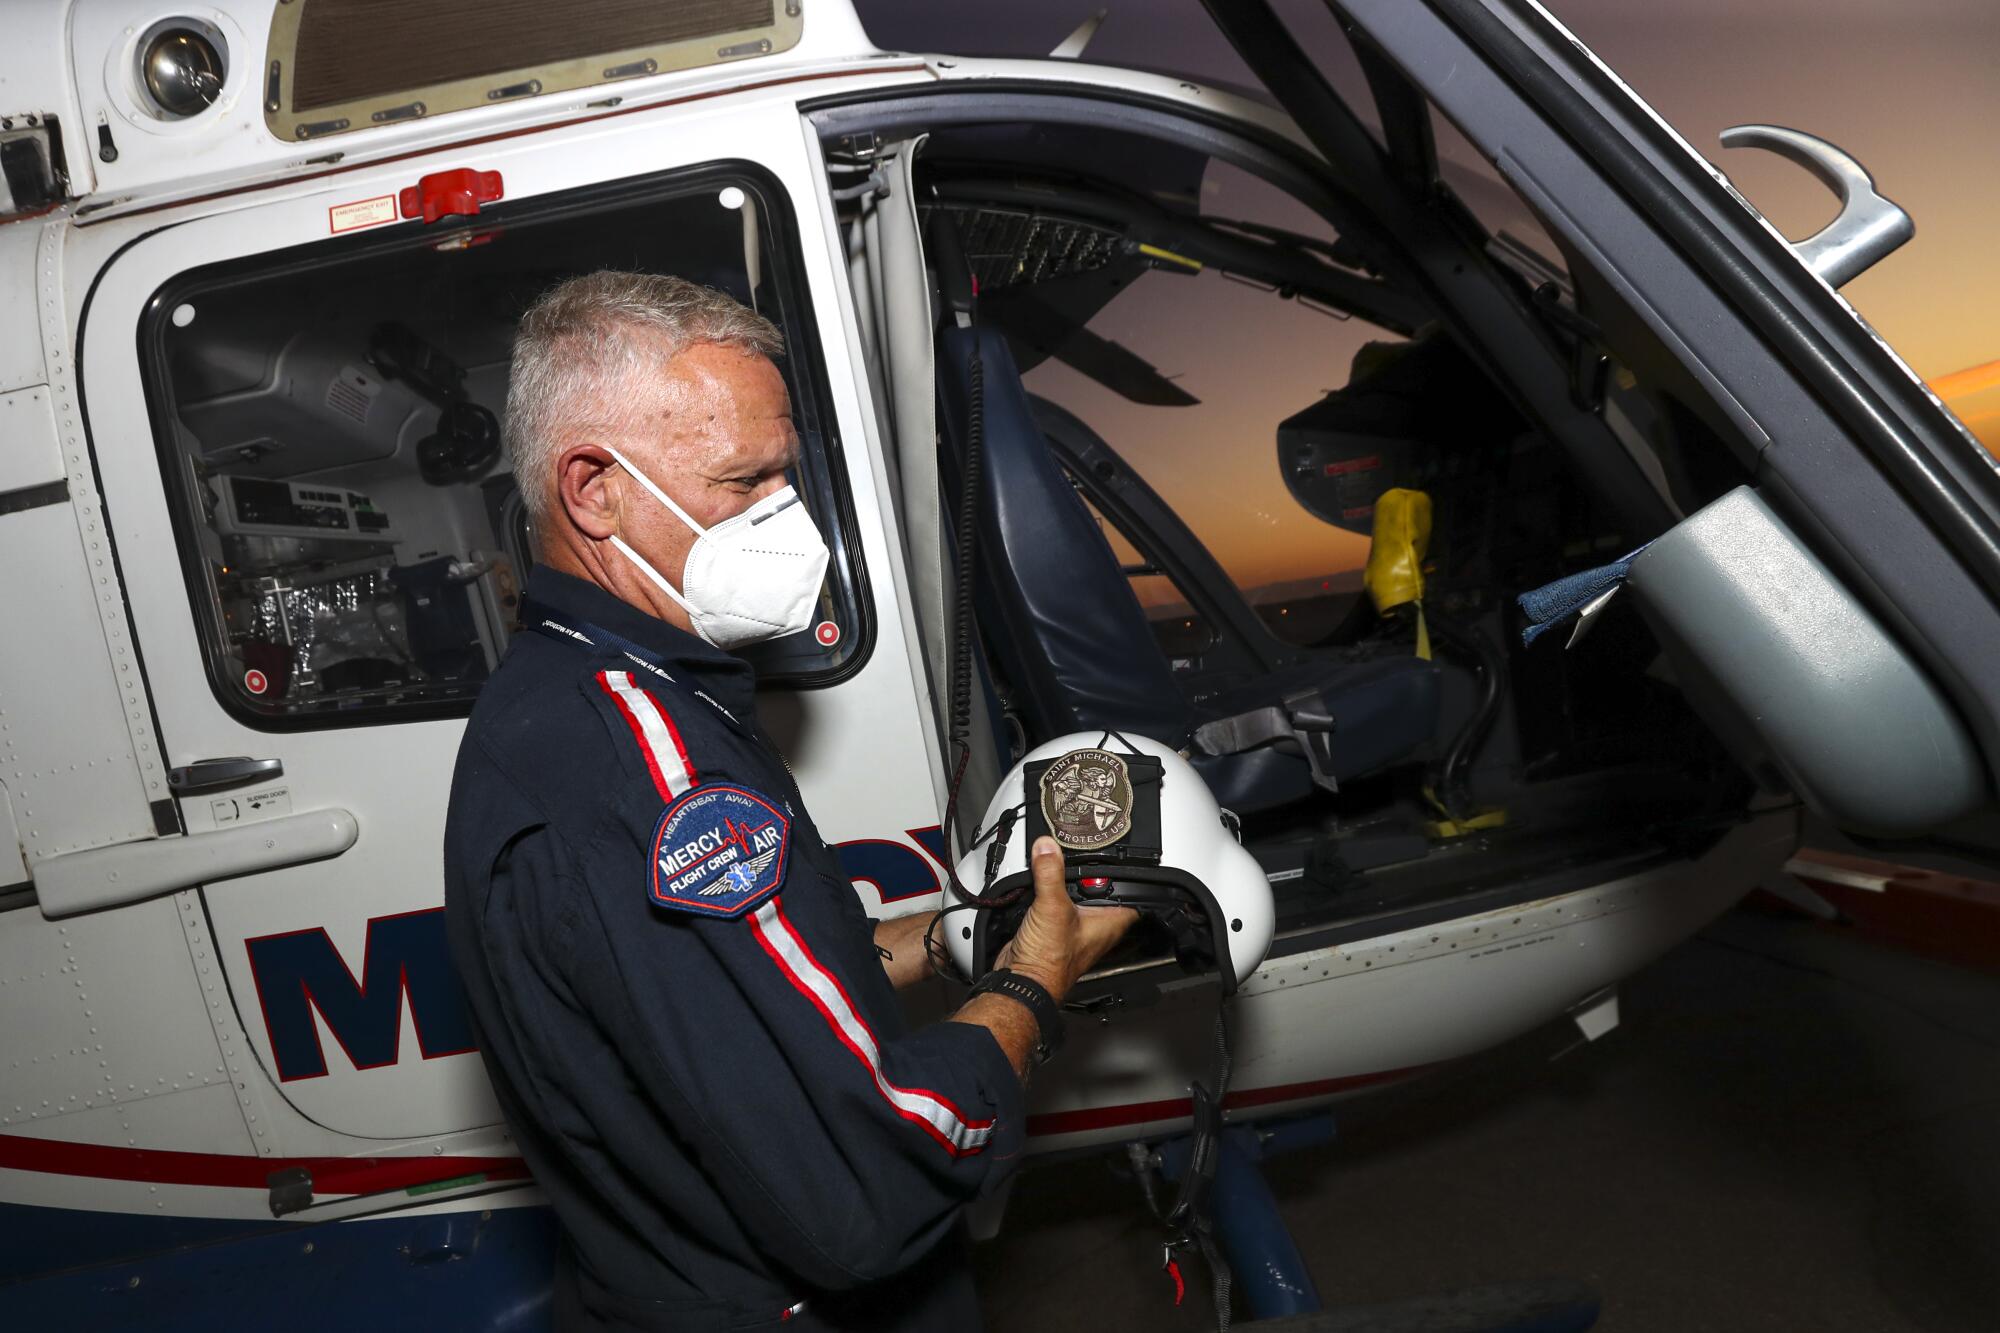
pixel 311 401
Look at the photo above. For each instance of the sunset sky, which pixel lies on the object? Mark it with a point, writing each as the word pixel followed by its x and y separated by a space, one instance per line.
pixel 1909 88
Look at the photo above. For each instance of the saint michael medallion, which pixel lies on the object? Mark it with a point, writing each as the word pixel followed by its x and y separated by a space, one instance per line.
pixel 1087 799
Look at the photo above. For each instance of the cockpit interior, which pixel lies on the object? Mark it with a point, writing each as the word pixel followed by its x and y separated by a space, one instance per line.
pixel 1183 425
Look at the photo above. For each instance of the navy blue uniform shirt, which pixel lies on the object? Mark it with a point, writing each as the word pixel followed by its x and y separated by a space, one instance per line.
pixel 680 1003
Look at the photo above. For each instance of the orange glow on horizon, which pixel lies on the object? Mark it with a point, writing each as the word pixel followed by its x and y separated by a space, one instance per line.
pixel 1963 383
pixel 1973 395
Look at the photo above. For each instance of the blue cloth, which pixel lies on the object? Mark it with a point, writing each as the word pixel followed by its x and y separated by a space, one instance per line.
pixel 726 1108
pixel 1552 603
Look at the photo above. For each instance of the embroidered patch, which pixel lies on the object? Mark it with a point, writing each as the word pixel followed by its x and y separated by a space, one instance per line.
pixel 718 851
pixel 1087 799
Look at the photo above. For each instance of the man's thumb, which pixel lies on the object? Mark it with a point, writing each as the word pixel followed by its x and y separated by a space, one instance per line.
pixel 1046 859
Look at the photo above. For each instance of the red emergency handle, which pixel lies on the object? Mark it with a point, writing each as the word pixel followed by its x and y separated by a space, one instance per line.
pixel 446 192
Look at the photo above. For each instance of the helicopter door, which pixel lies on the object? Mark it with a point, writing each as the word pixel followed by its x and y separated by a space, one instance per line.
pixel 1835 618
pixel 294 411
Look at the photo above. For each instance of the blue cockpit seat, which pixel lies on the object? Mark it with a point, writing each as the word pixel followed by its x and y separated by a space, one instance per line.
pixel 1059 617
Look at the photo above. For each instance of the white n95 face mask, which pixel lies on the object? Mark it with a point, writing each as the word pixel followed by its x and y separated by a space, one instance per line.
pixel 752 577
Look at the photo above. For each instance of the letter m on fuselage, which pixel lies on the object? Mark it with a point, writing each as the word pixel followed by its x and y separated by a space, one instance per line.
pixel 300 972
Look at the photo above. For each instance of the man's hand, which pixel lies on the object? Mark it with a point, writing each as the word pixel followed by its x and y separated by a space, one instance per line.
pixel 1059 941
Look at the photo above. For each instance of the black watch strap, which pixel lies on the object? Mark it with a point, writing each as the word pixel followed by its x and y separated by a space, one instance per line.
pixel 1034 997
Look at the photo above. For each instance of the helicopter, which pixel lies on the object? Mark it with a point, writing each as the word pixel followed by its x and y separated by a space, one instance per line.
pixel 264 545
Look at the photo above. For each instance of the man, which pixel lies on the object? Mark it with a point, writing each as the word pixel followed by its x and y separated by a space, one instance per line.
pixel 690 1023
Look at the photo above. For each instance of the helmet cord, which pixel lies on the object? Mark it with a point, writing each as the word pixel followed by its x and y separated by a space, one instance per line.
pixel 1186 1220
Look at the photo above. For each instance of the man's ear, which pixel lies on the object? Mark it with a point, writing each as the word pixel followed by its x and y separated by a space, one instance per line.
pixel 586 491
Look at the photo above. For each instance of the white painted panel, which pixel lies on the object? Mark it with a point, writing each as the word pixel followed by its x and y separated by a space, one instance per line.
pixel 65 752
pixel 12 868
pixel 20 331
pixel 29 452
pixel 105 1012
pixel 46 1044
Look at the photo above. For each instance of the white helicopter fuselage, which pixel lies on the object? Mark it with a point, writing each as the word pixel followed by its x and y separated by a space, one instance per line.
pixel 206 992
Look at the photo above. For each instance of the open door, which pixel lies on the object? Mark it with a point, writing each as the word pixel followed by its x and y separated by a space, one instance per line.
pixel 1818 540
pixel 324 548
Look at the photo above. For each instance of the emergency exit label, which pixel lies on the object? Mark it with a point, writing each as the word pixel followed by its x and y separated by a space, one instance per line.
pixel 362 213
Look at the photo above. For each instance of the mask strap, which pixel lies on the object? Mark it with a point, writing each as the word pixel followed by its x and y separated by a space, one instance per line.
pixel 646 568
pixel 658 494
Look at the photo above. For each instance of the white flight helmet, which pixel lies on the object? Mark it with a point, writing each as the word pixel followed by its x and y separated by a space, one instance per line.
pixel 1138 829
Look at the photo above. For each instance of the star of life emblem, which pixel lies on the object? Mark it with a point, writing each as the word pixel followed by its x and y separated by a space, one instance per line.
pixel 1087 799
pixel 742 877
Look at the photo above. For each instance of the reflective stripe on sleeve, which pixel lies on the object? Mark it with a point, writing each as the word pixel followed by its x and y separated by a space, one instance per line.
pixel 929 1111
pixel 659 740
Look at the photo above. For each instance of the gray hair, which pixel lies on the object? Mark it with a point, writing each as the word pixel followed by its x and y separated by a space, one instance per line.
pixel 580 353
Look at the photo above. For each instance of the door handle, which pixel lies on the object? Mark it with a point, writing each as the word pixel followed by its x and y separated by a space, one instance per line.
pixel 215 774
pixel 1868 226
pixel 130 872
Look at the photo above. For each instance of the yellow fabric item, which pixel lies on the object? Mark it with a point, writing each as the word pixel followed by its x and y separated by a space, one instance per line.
pixel 1458 828
pixel 1395 571
pixel 1444 826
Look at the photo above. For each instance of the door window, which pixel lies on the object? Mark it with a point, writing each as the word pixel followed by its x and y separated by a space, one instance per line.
pixel 1178 626
pixel 1659 429
pixel 1251 358
pixel 327 418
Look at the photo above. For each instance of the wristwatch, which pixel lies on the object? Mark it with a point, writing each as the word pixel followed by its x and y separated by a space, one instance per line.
pixel 1035 998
